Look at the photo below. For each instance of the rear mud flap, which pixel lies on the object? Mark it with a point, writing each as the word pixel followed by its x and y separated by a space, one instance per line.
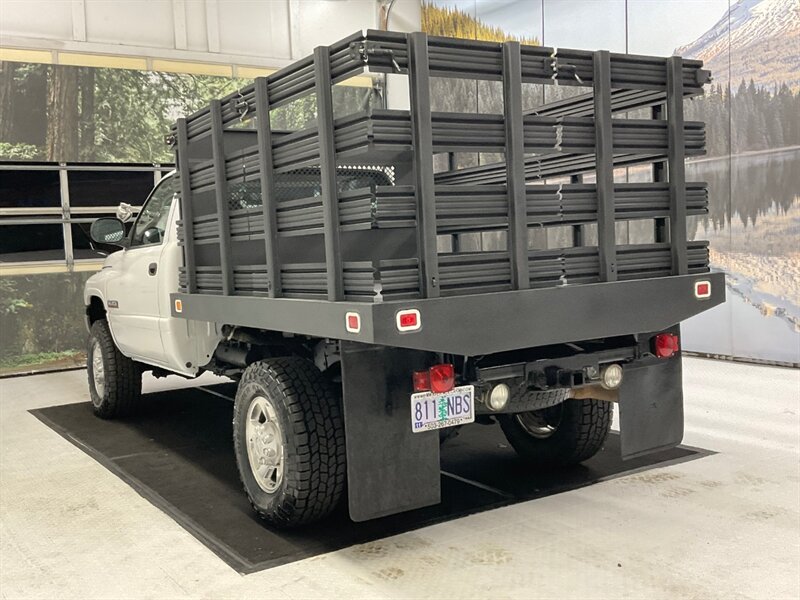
pixel 389 469
pixel 651 408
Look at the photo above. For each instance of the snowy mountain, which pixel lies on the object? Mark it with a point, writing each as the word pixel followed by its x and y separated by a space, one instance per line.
pixel 763 37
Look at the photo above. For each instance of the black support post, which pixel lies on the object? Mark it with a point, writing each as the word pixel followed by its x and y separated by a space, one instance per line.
pixel 268 203
pixel 221 192
pixel 327 164
pixel 515 161
pixel 661 233
pixel 604 147
pixel 422 135
pixel 677 169
pixel 187 209
pixel 578 237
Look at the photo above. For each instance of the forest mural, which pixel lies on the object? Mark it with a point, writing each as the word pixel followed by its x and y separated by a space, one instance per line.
pixel 89 114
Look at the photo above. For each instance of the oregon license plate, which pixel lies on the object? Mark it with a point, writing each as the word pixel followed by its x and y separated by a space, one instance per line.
pixel 434 411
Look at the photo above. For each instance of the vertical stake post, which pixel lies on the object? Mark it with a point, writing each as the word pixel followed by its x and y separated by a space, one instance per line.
pixel 515 166
pixel 677 168
pixel 578 237
pixel 604 164
pixel 221 196
pixel 425 191
pixel 187 208
pixel 327 167
pixel 661 233
pixel 268 201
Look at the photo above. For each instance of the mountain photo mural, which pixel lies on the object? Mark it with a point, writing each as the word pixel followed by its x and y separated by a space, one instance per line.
pixel 752 112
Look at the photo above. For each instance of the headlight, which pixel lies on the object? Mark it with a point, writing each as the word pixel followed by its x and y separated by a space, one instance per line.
pixel 498 397
pixel 611 377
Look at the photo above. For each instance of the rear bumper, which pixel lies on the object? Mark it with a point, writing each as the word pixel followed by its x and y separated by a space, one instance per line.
pixel 481 323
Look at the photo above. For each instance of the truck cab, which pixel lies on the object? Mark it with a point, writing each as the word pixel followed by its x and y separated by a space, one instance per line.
pixel 132 290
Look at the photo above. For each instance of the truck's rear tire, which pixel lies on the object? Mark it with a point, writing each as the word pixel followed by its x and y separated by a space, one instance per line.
pixel 561 435
pixel 115 381
pixel 288 435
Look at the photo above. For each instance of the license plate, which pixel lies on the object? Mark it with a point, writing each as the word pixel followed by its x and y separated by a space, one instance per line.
pixel 431 411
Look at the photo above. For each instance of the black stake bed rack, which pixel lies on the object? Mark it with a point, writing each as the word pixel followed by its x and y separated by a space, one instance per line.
pixel 291 231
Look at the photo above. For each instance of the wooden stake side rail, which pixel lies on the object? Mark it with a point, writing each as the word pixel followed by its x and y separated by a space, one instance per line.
pixel 308 214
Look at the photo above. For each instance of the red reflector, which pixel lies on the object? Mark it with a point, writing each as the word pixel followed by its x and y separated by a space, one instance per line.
pixel 352 322
pixel 443 378
pixel 422 381
pixel 702 289
pixel 665 345
pixel 408 320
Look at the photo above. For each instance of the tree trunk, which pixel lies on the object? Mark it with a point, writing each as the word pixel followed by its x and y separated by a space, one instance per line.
pixel 62 114
pixel 7 71
pixel 87 114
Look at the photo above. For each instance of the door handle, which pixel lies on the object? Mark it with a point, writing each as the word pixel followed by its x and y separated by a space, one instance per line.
pixel 152 268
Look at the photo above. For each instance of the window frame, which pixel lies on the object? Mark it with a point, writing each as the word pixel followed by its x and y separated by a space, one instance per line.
pixel 167 180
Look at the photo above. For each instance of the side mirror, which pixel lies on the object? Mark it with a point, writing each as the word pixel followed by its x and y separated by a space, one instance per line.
pixel 109 231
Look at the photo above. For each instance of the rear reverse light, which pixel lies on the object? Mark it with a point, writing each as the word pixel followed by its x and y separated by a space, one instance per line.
pixel 408 320
pixel 438 379
pixel 665 345
pixel 702 289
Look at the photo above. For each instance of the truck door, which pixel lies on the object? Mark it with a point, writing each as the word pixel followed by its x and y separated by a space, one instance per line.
pixel 132 295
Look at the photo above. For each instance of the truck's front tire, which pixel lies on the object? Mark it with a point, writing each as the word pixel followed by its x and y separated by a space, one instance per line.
pixel 561 435
pixel 115 381
pixel 288 435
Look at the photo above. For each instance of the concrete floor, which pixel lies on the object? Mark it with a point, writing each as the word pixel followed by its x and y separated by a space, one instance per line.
pixel 724 526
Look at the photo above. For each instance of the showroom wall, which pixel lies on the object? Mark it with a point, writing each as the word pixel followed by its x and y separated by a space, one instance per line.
pixel 79 83
pixel 88 90
pixel 752 111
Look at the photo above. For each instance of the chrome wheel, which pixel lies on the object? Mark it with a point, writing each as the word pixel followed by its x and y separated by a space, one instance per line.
pixel 264 444
pixel 98 373
pixel 541 424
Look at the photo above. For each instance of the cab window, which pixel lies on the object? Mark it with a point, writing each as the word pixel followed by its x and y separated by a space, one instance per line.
pixel 151 224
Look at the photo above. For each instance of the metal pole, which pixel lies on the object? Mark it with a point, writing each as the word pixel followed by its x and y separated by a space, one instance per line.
pixel 268 201
pixel 66 225
pixel 422 134
pixel 187 209
pixel 221 193
pixel 661 233
pixel 327 162
pixel 515 166
pixel 578 237
pixel 677 168
pixel 604 147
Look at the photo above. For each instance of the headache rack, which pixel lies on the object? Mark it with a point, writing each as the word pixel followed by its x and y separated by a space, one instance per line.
pixel 351 210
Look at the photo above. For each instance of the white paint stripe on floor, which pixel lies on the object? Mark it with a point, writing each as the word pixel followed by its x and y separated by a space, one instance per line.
pixel 477 484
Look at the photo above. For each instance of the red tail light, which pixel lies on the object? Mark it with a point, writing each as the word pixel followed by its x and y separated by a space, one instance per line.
pixel 422 381
pixel 443 378
pixel 438 379
pixel 665 345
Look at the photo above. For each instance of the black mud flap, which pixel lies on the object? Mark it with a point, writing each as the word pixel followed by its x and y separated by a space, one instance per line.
pixel 389 469
pixel 651 408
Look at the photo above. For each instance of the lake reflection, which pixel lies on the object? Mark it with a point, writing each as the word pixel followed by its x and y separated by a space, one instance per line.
pixel 753 228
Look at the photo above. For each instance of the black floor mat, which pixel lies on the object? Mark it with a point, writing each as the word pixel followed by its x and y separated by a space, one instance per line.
pixel 178 453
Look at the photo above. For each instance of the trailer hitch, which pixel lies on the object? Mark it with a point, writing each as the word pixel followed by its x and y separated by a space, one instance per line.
pixel 365 50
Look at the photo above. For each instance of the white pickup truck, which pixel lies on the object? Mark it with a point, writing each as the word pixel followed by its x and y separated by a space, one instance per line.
pixel 128 306
pixel 331 271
